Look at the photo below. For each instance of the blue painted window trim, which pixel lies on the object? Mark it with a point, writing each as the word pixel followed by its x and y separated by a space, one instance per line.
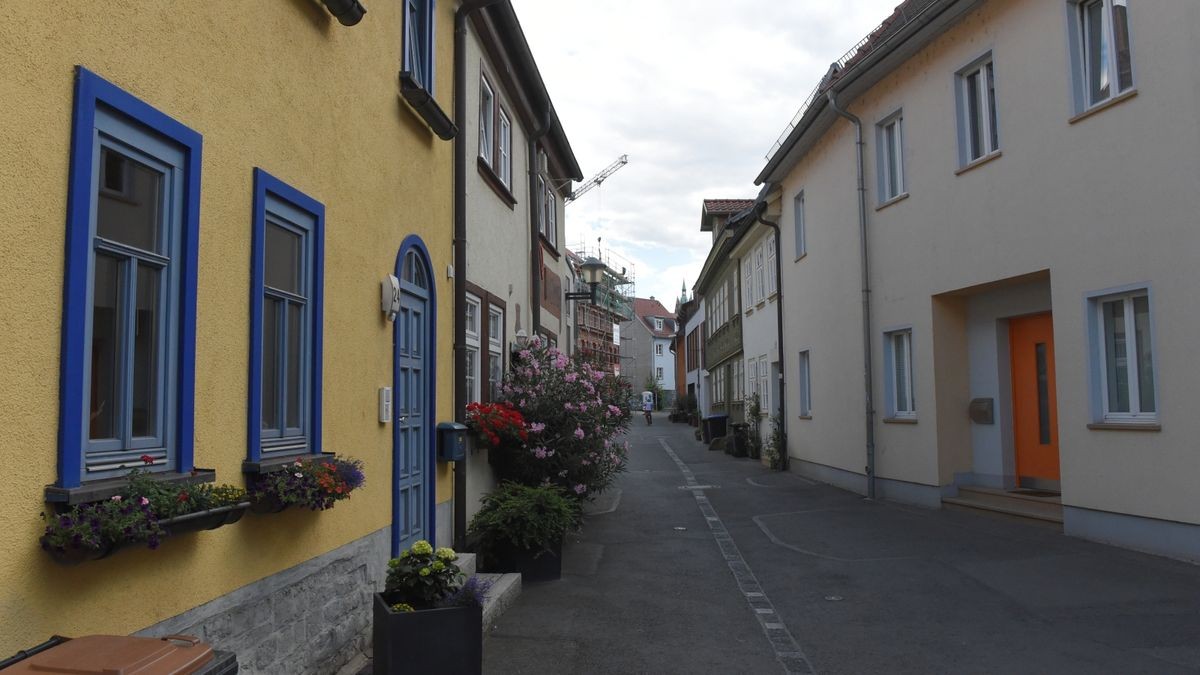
pixel 424 71
pixel 92 91
pixel 415 244
pixel 268 189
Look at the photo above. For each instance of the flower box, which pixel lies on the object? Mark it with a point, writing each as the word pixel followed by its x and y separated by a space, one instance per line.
pixel 533 566
pixel 445 640
pixel 205 520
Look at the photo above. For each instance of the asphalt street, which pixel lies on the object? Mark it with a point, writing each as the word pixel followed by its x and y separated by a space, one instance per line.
pixel 698 562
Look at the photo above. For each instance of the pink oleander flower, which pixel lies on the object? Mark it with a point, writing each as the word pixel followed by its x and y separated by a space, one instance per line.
pixel 524 354
pixel 578 432
pixel 298 475
pixel 580 488
pixel 143 501
pixel 585 462
pixel 571 377
pixel 537 427
pixel 568 407
pixel 116 498
pixel 540 453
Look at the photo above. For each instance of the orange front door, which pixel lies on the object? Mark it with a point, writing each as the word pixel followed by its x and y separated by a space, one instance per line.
pixel 1035 409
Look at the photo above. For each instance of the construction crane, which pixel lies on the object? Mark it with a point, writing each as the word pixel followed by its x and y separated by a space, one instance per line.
pixel 597 179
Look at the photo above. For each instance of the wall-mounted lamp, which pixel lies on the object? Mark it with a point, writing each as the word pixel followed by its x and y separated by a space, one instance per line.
pixel 347 12
pixel 591 270
pixel 520 340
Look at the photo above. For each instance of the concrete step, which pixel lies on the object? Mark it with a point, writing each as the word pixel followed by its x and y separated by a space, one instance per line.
pixel 466 563
pixel 990 493
pixel 997 501
pixel 502 594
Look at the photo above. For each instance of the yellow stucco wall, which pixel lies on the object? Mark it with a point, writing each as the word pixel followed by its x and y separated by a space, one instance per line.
pixel 277 84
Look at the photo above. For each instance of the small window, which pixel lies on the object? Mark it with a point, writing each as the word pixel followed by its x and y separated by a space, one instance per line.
pixel 739 379
pixel 658 373
pixel 505 155
pixel 760 278
pixel 798 216
pixel 1123 341
pixel 658 349
pixel 752 377
pixel 898 363
pixel 772 265
pixel 1102 62
pixel 805 388
pixel 747 283
pixel 418 42
pixel 129 313
pixel 472 351
pixel 890 141
pixel 286 320
pixel 658 325
pixel 487 120
pixel 976 98
pixel 764 384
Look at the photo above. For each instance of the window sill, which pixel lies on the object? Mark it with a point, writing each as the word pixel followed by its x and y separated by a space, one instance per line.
pixel 761 303
pixel 1125 426
pixel 494 182
pixel 802 256
pixel 273 464
pixel 899 420
pixel 426 107
pixel 978 162
pixel 100 490
pixel 1103 105
pixel 550 247
pixel 898 198
pixel 804 417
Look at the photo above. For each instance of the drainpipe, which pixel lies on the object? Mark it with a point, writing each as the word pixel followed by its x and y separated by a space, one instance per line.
pixel 783 454
pixel 868 385
pixel 460 253
pixel 535 244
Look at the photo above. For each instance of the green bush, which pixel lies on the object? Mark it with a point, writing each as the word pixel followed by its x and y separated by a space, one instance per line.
pixel 524 517
pixel 422 577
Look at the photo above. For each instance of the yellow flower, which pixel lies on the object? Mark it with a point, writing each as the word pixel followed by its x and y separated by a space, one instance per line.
pixel 438 565
pixel 422 547
pixel 446 554
pixel 424 572
pixel 402 607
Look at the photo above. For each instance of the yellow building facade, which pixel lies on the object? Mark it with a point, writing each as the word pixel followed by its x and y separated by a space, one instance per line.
pixel 285 89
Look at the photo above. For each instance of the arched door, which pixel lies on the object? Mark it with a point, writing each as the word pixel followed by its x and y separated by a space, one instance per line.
pixel 414 351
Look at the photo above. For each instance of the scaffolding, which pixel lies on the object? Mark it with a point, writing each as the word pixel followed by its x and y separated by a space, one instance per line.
pixel 616 291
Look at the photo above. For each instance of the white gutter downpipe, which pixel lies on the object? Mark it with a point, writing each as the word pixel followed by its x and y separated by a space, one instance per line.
pixel 868 384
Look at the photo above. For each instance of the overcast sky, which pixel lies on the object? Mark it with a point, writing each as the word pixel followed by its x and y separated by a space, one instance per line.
pixel 695 92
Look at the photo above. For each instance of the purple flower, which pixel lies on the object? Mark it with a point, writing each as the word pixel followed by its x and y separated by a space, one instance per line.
pixel 580 488
pixel 578 432
pixel 537 427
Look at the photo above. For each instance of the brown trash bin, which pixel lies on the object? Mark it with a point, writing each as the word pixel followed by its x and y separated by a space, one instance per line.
pixel 119 655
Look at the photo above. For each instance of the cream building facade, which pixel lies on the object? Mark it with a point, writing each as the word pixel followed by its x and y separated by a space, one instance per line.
pixel 1030 291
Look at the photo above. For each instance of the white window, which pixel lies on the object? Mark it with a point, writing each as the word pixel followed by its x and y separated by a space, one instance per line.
pixel 487 120
pixel 1102 61
pixel 898 362
pixel 495 351
pixel 890 142
pixel 552 217
pixel 764 384
pixel 658 325
pixel 805 388
pixel 472 373
pixel 772 266
pixel 505 159
pixel 752 377
pixel 747 283
pixel 798 216
pixel 658 373
pixel 760 279
pixel 658 350
pixel 976 97
pixel 1127 392
pixel 541 205
pixel 739 382
pixel 718 385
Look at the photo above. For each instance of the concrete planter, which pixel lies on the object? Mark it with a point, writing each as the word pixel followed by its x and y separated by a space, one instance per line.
pixel 447 640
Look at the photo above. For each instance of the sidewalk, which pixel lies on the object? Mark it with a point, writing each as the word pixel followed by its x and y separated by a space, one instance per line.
pixel 776 574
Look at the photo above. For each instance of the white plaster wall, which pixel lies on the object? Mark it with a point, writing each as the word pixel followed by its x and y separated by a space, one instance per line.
pixel 698 376
pixel 666 361
pixel 1099 203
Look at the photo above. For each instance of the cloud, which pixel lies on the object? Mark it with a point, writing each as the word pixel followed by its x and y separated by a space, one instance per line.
pixel 695 92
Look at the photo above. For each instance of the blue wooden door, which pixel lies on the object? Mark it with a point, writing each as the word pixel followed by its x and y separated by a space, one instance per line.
pixel 412 435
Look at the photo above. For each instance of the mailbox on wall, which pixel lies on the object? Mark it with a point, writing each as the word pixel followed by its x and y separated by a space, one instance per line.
pixel 452 441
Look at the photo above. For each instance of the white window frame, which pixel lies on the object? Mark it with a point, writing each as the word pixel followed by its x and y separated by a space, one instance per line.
pixel 487 120
pixel 890 151
pixel 986 120
pixel 799 225
pixel 760 278
pixel 752 376
pixel 804 390
pixel 658 373
pixel 505 149
pixel 495 348
pixel 658 349
pixel 1081 40
pixel 1135 414
pixel 658 325
pixel 747 284
pixel 772 264
pixel 473 364
pixel 764 384
pixel 901 338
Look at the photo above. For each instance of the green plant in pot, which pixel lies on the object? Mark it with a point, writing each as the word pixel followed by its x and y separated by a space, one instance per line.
pixel 520 528
pixel 427 619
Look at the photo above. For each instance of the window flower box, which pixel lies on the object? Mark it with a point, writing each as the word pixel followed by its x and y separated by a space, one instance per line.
pixel 315 484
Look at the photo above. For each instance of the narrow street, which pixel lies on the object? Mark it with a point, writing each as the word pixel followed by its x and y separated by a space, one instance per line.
pixel 700 562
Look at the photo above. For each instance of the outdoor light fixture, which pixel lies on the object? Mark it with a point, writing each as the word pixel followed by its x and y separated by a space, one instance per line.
pixel 520 340
pixel 347 12
pixel 592 270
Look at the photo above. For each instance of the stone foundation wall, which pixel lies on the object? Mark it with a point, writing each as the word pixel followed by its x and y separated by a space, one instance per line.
pixel 310 619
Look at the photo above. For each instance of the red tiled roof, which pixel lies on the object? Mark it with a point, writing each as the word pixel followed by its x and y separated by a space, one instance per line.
pixel 718 206
pixel 648 308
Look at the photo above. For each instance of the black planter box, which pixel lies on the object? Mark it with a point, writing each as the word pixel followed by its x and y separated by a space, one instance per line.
pixel 448 640
pixel 531 566
pixel 205 520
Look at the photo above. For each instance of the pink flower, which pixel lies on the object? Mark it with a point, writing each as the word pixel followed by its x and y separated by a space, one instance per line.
pixel 578 432
pixel 571 377
pixel 580 488
pixel 537 427
pixel 540 453
pixel 298 475
pixel 524 354
pixel 568 407
pixel 143 501
pixel 116 498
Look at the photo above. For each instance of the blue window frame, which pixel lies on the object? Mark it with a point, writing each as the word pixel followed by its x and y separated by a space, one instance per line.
pixel 129 297
pixel 418 41
pixel 287 272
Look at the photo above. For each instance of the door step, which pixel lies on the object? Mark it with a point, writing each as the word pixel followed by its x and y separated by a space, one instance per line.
pixel 1045 509
pixel 502 594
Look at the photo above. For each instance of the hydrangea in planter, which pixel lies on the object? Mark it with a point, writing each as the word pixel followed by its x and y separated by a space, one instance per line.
pixel 315 485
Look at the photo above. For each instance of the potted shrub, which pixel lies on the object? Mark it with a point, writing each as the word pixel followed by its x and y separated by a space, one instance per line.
pixel 315 485
pixel 520 528
pixel 426 619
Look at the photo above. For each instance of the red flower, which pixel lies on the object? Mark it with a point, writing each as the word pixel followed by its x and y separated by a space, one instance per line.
pixel 147 459
pixel 183 496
